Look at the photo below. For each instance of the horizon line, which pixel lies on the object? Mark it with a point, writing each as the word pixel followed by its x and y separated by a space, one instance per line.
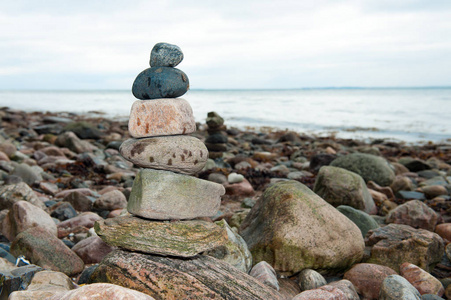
pixel 244 89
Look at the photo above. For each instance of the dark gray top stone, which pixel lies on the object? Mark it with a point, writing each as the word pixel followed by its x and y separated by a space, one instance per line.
pixel 165 55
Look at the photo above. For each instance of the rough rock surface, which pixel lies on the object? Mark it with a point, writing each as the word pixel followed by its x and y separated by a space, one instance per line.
pixel 181 154
pixel 161 117
pixel 414 213
pixel 329 240
pixel 309 279
pixel 202 277
pixel 368 166
pixel 182 238
pixel 164 195
pixel 342 187
pixel 395 244
pixel 338 290
pixel 9 194
pixel 102 291
pixel 165 55
pixel 264 273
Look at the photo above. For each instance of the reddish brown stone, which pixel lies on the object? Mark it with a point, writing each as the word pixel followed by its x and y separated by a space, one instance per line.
pixel 424 282
pixel 367 278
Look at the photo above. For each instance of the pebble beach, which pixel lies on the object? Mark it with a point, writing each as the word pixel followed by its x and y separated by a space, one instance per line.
pixel 161 207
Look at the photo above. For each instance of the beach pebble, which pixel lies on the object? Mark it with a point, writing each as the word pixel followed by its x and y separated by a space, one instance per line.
pixel 216 147
pixel 309 279
pixel 395 287
pixel 79 201
pixel 424 282
pixel 433 191
pixel 414 213
pixel 363 220
pixel 24 215
pixel 164 195
pixel 395 244
pixel 243 188
pixel 367 278
pixel 27 173
pixel 284 208
pixel 444 230
pixel 414 165
pixel 216 138
pixel 264 273
pixel 410 195
pixel 80 223
pixel 110 201
pixel 182 238
pixel 218 178
pixel 74 143
pixel 160 82
pixel 62 211
pixel 165 55
pixel 288 288
pixel 181 154
pixel 235 178
pixel 47 251
pixel 402 183
pixel 161 117
pixel 202 277
pixel 92 249
pixel 368 166
pixel 341 187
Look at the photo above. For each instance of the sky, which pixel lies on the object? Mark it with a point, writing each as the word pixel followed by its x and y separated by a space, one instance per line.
pixel 245 44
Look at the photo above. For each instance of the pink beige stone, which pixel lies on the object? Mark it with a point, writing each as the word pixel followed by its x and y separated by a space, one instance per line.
pixel 161 117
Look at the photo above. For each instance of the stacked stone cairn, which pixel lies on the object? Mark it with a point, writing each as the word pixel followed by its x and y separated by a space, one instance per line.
pixel 165 200
pixel 216 141
pixel 167 228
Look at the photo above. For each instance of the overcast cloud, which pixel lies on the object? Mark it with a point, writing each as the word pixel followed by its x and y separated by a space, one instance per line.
pixel 227 44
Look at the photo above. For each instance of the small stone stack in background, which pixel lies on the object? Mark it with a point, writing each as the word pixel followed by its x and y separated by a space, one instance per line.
pixel 216 142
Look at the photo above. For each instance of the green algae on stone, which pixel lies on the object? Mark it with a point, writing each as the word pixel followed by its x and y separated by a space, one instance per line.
pixel 342 187
pixel 180 238
pixel 370 167
pixel 292 229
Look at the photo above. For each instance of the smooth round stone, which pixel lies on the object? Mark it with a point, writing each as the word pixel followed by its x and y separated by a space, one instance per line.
pixel 161 117
pixel 216 138
pixel 165 55
pixel 181 154
pixel 160 82
pixel 164 195
pixel 235 178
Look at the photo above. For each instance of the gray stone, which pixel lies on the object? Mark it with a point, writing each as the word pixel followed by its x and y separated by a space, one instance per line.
pixel 235 251
pixel 329 241
pixel 396 287
pixel 160 82
pixel 165 55
pixel 181 154
pixel 341 187
pixel 28 175
pixel 363 220
pixel 216 138
pixel 165 195
pixel 410 195
pixel 414 213
pixel 309 279
pixel 235 178
pixel 368 166
pixel 214 120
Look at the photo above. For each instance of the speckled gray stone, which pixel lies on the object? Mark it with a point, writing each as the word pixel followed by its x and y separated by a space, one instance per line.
pixel 165 55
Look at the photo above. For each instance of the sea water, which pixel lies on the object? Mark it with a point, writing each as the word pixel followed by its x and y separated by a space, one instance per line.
pixel 412 115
